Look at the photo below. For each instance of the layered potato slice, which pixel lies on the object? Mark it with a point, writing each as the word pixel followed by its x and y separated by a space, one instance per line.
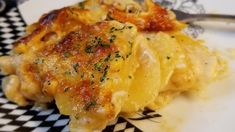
pixel 194 68
pixel 146 79
pixel 168 50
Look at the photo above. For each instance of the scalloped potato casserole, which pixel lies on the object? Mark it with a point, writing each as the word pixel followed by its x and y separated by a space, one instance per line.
pixel 101 58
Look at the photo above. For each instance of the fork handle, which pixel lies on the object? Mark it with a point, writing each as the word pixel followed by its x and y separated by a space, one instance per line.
pixel 210 17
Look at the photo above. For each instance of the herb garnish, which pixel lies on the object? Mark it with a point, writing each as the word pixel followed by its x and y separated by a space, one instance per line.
pixel 98 39
pixel 112 38
pixel 75 67
pixel 112 29
pixel 67 73
pixel 39 61
pixel 98 66
pixel 89 105
pixel 107 58
pixel 131 46
pixel 130 27
pixel 88 49
pixel 117 55
pixel 105 74
pixel 104 45
pixel 67 54
pixel 66 89
pixel 92 75
pixel 127 56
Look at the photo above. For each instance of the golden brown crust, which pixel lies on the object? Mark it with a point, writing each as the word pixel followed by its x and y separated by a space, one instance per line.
pixel 84 49
pixel 157 19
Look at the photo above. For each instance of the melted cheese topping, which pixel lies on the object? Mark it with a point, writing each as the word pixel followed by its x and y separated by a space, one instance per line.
pixel 102 57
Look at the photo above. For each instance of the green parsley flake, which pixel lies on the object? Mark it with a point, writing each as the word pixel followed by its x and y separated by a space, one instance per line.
pixel 111 29
pixel 98 39
pixel 67 54
pixel 117 55
pixel 88 49
pixel 130 27
pixel 92 75
pixel 104 45
pixel 105 74
pixel 75 67
pixel 39 61
pixel 107 58
pixel 112 38
pixel 89 105
pixel 98 66
pixel 67 73
pixel 117 29
pixel 66 90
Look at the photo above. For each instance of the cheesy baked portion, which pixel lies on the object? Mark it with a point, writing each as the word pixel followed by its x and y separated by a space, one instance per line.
pixel 102 58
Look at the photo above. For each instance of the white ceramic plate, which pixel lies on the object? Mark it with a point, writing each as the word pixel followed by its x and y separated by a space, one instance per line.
pixel 212 110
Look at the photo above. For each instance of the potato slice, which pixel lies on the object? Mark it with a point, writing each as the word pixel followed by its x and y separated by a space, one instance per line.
pixel 11 88
pixel 6 66
pixel 146 82
pixel 167 50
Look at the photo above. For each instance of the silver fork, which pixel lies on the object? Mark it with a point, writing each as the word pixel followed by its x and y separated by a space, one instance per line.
pixel 187 17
